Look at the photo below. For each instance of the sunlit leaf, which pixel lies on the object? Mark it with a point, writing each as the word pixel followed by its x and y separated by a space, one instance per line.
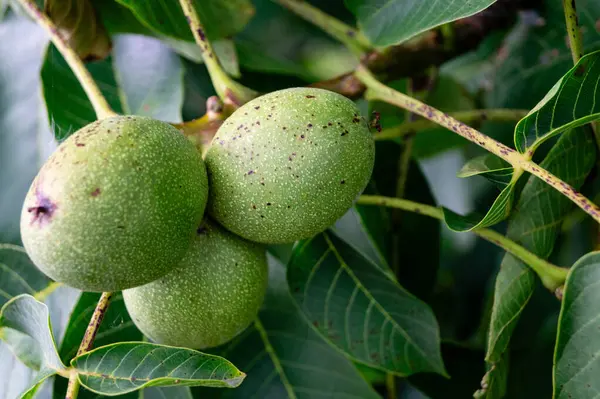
pixel 124 367
pixel 387 22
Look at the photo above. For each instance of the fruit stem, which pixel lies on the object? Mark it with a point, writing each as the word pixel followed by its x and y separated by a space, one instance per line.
pixel 471 117
pixel 352 38
pixel 88 340
pixel 230 91
pixel 201 131
pixel 520 162
pixel 99 103
pixel 552 276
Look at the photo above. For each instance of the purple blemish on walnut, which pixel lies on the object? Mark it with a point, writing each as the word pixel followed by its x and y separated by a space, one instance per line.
pixel 309 96
pixel 96 192
pixel 43 210
pixel 250 172
pixel 80 144
pixel 257 107
pixel 309 125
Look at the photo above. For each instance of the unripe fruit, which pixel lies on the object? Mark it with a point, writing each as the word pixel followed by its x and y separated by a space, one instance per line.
pixel 116 205
pixel 213 294
pixel 287 165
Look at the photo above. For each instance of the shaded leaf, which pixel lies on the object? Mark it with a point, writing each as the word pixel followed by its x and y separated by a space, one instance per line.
pixel 388 22
pixel 18 274
pixel 285 358
pixel 576 361
pixel 362 310
pixel 68 107
pixel 301 49
pixel 573 101
pixel 30 318
pixel 166 393
pixel 534 224
pixel 128 366
pixel 220 18
pixel 25 141
pixel 150 75
pixel 491 167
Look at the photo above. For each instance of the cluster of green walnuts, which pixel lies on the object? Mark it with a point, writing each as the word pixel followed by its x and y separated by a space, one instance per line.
pixel 128 203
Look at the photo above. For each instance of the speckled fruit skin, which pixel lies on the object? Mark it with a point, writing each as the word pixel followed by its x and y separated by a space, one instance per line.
pixel 116 205
pixel 214 293
pixel 287 165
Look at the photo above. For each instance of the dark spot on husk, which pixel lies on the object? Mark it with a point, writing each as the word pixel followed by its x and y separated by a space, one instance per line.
pixel 96 192
pixel 43 211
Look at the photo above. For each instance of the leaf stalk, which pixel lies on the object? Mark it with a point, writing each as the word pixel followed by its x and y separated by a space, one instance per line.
pixel 99 103
pixel 230 91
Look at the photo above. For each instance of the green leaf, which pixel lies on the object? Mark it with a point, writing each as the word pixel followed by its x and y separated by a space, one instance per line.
pixel 150 75
pixel 30 320
pixel 125 367
pixel 388 22
pixel 489 166
pixel 494 381
pixel 285 358
pixel 25 140
pixel 501 174
pixel 499 211
pixel 573 101
pixel 220 18
pixel 362 310
pixel 18 275
pixel 68 107
pixel 576 359
pixel 534 224
pixel 166 393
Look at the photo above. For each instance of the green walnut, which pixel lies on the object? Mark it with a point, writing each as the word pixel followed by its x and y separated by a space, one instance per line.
pixel 116 205
pixel 213 294
pixel 287 165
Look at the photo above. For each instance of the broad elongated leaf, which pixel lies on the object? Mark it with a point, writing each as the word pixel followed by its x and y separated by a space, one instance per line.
pixel 573 101
pixel 125 367
pixel 576 360
pixel 150 75
pixel 535 225
pixel 362 310
pixel 387 22
pixel 220 18
pixel 25 140
pixel 25 327
pixel 285 358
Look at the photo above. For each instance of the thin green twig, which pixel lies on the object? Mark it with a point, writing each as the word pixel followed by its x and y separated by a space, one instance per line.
pixel 551 275
pixel 230 91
